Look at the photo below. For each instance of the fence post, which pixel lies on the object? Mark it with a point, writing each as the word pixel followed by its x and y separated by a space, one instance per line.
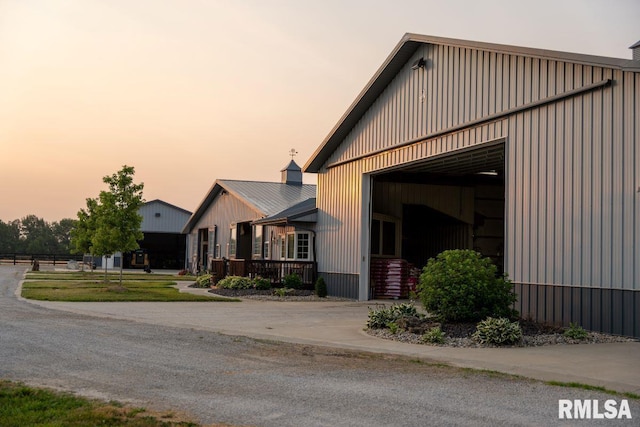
pixel 14 259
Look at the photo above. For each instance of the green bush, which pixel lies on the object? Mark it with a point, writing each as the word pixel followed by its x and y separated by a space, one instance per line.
pixel 433 336
pixel 393 327
pixel 292 281
pixel 321 288
pixel 203 281
pixel 381 318
pixel 283 292
pixel 576 332
pixel 235 282
pixel 461 285
pixel 497 331
pixel 261 283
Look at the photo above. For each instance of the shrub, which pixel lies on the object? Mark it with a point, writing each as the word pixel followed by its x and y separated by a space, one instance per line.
pixel 261 283
pixel 575 332
pixel 235 282
pixel 321 288
pixel 460 285
pixel 292 281
pixel 283 292
pixel 381 318
pixel 433 336
pixel 497 331
pixel 393 327
pixel 203 281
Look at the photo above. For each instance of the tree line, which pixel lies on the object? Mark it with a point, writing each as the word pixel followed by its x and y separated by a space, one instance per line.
pixel 34 235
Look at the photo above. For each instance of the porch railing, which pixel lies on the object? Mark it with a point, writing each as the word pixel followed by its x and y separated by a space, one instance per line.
pixel 275 271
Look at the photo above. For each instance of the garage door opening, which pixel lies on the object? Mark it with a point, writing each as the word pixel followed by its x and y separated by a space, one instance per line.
pixel 455 201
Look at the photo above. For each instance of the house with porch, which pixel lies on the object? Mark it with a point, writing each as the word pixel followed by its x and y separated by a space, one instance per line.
pixel 529 156
pixel 255 228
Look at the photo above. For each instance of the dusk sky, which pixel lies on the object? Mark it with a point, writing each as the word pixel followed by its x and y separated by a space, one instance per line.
pixel 190 91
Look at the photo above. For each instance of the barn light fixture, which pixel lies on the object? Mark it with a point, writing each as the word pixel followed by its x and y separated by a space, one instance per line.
pixel 419 63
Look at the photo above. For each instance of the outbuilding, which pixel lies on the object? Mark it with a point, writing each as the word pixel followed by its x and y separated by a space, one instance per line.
pixel 530 156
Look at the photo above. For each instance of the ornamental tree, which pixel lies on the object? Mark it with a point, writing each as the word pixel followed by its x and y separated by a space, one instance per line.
pixel 111 223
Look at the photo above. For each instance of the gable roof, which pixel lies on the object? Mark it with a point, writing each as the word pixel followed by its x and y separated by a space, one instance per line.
pixel 266 198
pixel 404 50
pixel 303 212
pixel 162 202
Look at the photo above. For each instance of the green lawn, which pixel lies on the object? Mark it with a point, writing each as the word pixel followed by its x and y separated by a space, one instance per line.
pixel 99 275
pixel 99 291
pixel 26 406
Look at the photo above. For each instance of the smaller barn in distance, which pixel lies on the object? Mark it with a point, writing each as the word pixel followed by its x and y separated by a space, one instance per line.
pixel 164 245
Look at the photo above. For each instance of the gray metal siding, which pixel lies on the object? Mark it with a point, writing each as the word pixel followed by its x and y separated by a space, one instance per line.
pixel 224 210
pixel 339 218
pixel 171 220
pixel 613 311
pixel 341 285
pixel 573 170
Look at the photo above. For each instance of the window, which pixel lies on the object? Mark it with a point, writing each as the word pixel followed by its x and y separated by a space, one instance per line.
pixel 385 236
pixel 302 248
pixel 267 254
pixel 298 246
pixel 232 241
pixel 257 241
pixel 283 248
pixel 291 239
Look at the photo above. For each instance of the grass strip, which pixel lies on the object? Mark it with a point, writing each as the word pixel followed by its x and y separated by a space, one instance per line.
pixel 627 394
pixel 97 275
pixel 26 406
pixel 95 291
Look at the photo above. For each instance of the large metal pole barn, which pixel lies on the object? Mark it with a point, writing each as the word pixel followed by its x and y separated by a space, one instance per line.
pixel 530 156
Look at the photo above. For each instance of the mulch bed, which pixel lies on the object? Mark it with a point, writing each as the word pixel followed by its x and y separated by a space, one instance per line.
pixel 411 330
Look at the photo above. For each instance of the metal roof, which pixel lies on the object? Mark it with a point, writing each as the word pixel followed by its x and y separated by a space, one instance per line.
pixel 302 211
pixel 404 51
pixel 266 198
pixel 162 202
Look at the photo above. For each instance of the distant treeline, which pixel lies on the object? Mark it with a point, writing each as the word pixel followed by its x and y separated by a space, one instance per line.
pixel 33 235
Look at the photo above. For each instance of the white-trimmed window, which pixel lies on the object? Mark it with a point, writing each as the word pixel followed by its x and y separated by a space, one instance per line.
pixel 298 246
pixel 267 253
pixel 385 236
pixel 283 247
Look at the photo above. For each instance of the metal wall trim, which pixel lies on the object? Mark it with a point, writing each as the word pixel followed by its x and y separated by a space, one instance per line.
pixel 480 121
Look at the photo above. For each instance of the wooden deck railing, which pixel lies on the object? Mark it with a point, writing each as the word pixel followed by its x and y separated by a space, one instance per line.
pixel 275 271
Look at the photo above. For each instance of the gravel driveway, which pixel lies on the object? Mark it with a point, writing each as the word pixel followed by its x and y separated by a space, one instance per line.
pixel 240 381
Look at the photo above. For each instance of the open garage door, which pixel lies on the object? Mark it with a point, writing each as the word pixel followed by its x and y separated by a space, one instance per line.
pixel 452 201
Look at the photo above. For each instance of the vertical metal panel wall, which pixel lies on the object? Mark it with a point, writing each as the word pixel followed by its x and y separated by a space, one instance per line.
pixel 573 164
pixel 170 219
pixel 225 209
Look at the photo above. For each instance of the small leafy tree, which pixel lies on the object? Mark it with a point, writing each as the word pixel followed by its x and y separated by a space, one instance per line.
pixel 118 225
pixel 461 285
pixel 111 223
